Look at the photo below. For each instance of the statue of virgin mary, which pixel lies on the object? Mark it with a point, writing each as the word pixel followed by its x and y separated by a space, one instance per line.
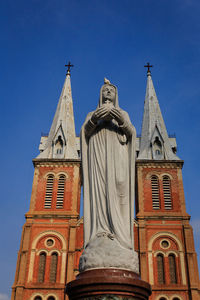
pixel 108 165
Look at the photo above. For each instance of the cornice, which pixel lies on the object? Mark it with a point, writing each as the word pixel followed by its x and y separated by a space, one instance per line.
pixel 51 215
pixel 174 164
pixel 54 162
pixel 164 217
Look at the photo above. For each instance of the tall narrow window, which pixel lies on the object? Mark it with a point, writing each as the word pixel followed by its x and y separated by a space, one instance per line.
pixel 41 269
pixel 167 192
pixel 155 192
pixel 172 268
pixel 60 192
pixel 49 191
pixel 53 267
pixel 160 266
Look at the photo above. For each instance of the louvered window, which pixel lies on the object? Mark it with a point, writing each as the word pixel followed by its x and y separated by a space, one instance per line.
pixel 160 266
pixel 167 192
pixel 53 267
pixel 172 268
pixel 60 192
pixel 41 269
pixel 49 191
pixel 155 192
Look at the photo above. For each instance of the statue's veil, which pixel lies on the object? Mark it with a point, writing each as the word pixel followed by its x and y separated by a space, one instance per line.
pixel 116 102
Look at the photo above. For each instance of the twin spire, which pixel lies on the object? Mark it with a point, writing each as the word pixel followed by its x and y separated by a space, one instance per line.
pixel 155 142
pixel 61 143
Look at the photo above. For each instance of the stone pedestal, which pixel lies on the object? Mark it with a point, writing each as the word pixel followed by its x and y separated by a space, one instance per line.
pixel 108 284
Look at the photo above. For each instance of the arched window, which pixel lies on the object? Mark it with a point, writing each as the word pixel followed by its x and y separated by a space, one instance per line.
pixel 155 192
pixel 162 298
pixel 51 298
pixel 38 298
pixel 53 267
pixel 49 191
pixel 59 145
pixel 160 267
pixel 172 268
pixel 41 269
pixel 167 192
pixel 60 192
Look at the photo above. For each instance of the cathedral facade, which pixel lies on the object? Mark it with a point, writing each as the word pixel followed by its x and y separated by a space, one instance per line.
pixel 52 236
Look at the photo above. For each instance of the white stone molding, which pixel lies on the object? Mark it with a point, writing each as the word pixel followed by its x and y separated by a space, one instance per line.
pixel 54 251
pixel 159 252
pixel 166 174
pixel 50 232
pixel 34 250
pixel 162 295
pixel 172 252
pixel 49 173
pixel 159 175
pixel 49 239
pixel 51 295
pixel 164 241
pixel 180 250
pixel 64 173
pixel 41 251
pixel 37 294
pixel 175 296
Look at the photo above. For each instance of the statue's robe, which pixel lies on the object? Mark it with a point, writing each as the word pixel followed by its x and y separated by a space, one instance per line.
pixel 108 164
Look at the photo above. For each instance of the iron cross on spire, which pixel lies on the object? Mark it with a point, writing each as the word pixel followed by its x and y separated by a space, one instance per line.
pixel 68 67
pixel 148 66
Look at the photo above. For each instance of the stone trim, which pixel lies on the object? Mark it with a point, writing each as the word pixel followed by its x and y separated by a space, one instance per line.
pixel 181 255
pixel 63 253
pixel 172 164
pixel 159 175
pixel 55 162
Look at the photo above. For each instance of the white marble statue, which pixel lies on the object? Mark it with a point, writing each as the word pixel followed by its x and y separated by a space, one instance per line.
pixel 108 163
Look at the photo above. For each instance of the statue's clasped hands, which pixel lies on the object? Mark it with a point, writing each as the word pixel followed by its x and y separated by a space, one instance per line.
pixel 107 112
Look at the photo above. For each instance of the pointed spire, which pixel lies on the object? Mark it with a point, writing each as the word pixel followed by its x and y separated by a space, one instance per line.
pixel 61 141
pixel 155 142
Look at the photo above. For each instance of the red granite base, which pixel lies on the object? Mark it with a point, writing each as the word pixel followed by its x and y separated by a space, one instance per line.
pixel 108 284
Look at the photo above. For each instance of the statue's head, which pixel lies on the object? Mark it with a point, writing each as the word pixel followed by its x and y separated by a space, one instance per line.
pixel 108 94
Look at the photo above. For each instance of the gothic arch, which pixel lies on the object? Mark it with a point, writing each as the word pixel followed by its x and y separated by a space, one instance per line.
pixel 63 253
pixel 180 250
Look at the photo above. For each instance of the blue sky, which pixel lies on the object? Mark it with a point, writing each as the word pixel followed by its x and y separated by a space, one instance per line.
pixel 112 39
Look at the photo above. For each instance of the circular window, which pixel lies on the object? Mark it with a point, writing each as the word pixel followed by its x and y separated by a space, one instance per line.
pixel 49 242
pixel 164 244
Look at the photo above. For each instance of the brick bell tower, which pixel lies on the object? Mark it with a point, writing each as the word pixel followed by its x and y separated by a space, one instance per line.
pixel 168 260
pixel 47 251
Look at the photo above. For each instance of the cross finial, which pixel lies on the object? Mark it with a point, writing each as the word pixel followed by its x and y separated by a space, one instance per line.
pixel 68 67
pixel 148 66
